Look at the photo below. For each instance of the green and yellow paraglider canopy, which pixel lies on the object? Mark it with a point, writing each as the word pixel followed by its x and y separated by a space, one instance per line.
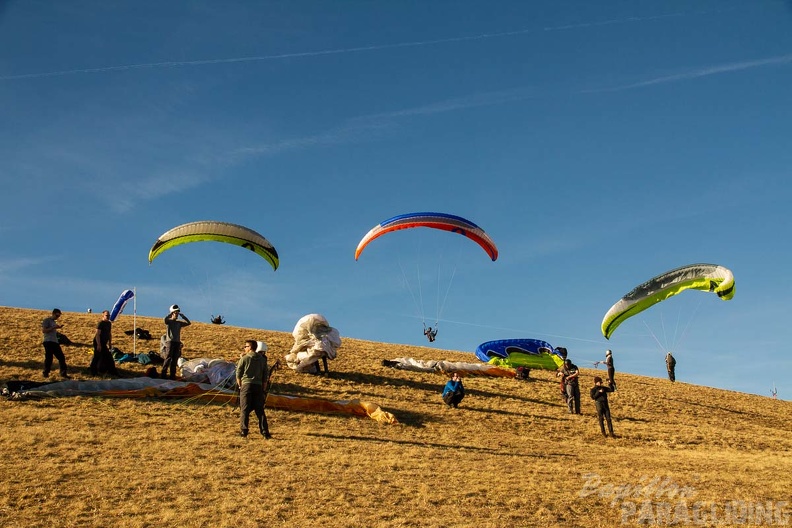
pixel 210 231
pixel 704 277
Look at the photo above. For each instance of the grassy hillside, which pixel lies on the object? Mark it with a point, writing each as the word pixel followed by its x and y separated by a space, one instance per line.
pixel 509 456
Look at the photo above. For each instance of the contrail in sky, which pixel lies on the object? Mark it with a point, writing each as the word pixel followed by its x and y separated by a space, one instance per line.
pixel 358 49
pixel 703 72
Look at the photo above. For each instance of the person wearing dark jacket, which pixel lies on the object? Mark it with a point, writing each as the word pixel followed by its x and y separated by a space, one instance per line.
pixel 670 366
pixel 611 369
pixel 599 393
pixel 454 391
pixel 102 361
pixel 251 378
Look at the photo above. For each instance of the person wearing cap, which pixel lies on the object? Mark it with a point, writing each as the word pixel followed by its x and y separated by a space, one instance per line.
pixel 599 393
pixel 611 370
pixel 173 342
pixel 52 348
pixel 670 366
pixel 251 378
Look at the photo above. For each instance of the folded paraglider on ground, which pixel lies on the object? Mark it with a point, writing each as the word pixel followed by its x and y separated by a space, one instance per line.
pixel 314 339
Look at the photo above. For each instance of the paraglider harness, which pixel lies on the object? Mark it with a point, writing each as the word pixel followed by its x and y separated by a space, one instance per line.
pixel 275 366
pixel 139 333
pixel 522 373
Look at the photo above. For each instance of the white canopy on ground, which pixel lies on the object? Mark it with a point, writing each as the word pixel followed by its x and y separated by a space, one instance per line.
pixel 314 339
pixel 217 372
pixel 444 367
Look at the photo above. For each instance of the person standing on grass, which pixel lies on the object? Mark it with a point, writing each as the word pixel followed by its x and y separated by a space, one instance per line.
pixel 52 348
pixel 599 393
pixel 611 369
pixel 251 378
pixel 173 343
pixel 671 366
pixel 454 391
pixel 570 374
pixel 102 362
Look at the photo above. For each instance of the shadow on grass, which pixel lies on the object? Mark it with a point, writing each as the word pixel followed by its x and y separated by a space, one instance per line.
pixel 376 379
pixel 487 394
pixel 379 380
pixel 503 452
pixel 34 365
pixel 717 407
pixel 631 419
pixel 500 411
pixel 37 366
pixel 411 418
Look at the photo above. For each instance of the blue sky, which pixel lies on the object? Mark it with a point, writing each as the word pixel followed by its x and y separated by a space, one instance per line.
pixel 598 143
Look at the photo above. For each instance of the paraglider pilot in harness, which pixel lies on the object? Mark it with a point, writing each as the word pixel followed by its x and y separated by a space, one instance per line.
pixel 430 333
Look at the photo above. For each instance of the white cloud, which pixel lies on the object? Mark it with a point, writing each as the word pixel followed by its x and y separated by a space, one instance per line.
pixel 10 265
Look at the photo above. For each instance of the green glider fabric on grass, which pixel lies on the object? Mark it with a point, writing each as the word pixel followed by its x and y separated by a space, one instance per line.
pixel 704 277
pixel 209 231
pixel 542 360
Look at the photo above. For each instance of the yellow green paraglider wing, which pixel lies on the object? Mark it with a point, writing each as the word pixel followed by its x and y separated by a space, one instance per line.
pixel 208 231
pixel 703 277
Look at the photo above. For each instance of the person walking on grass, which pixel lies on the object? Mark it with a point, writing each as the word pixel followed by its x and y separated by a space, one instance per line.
pixel 52 348
pixel 599 393
pixel 173 343
pixel 251 378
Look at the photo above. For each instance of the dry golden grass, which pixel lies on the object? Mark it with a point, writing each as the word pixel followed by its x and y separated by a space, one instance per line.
pixel 510 456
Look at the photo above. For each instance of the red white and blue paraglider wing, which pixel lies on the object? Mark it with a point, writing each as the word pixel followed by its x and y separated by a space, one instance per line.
pixel 442 221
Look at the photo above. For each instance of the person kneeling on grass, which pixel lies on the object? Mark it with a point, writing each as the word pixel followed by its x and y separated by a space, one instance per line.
pixel 454 391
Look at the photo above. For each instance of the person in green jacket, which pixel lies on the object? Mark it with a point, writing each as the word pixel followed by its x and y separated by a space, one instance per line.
pixel 251 378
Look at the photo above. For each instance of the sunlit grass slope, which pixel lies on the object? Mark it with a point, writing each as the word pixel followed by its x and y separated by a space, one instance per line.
pixel 509 456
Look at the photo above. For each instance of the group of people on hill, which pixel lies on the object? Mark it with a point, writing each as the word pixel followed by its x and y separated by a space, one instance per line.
pixel 454 391
pixel 252 374
pixel 569 374
pixel 102 362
